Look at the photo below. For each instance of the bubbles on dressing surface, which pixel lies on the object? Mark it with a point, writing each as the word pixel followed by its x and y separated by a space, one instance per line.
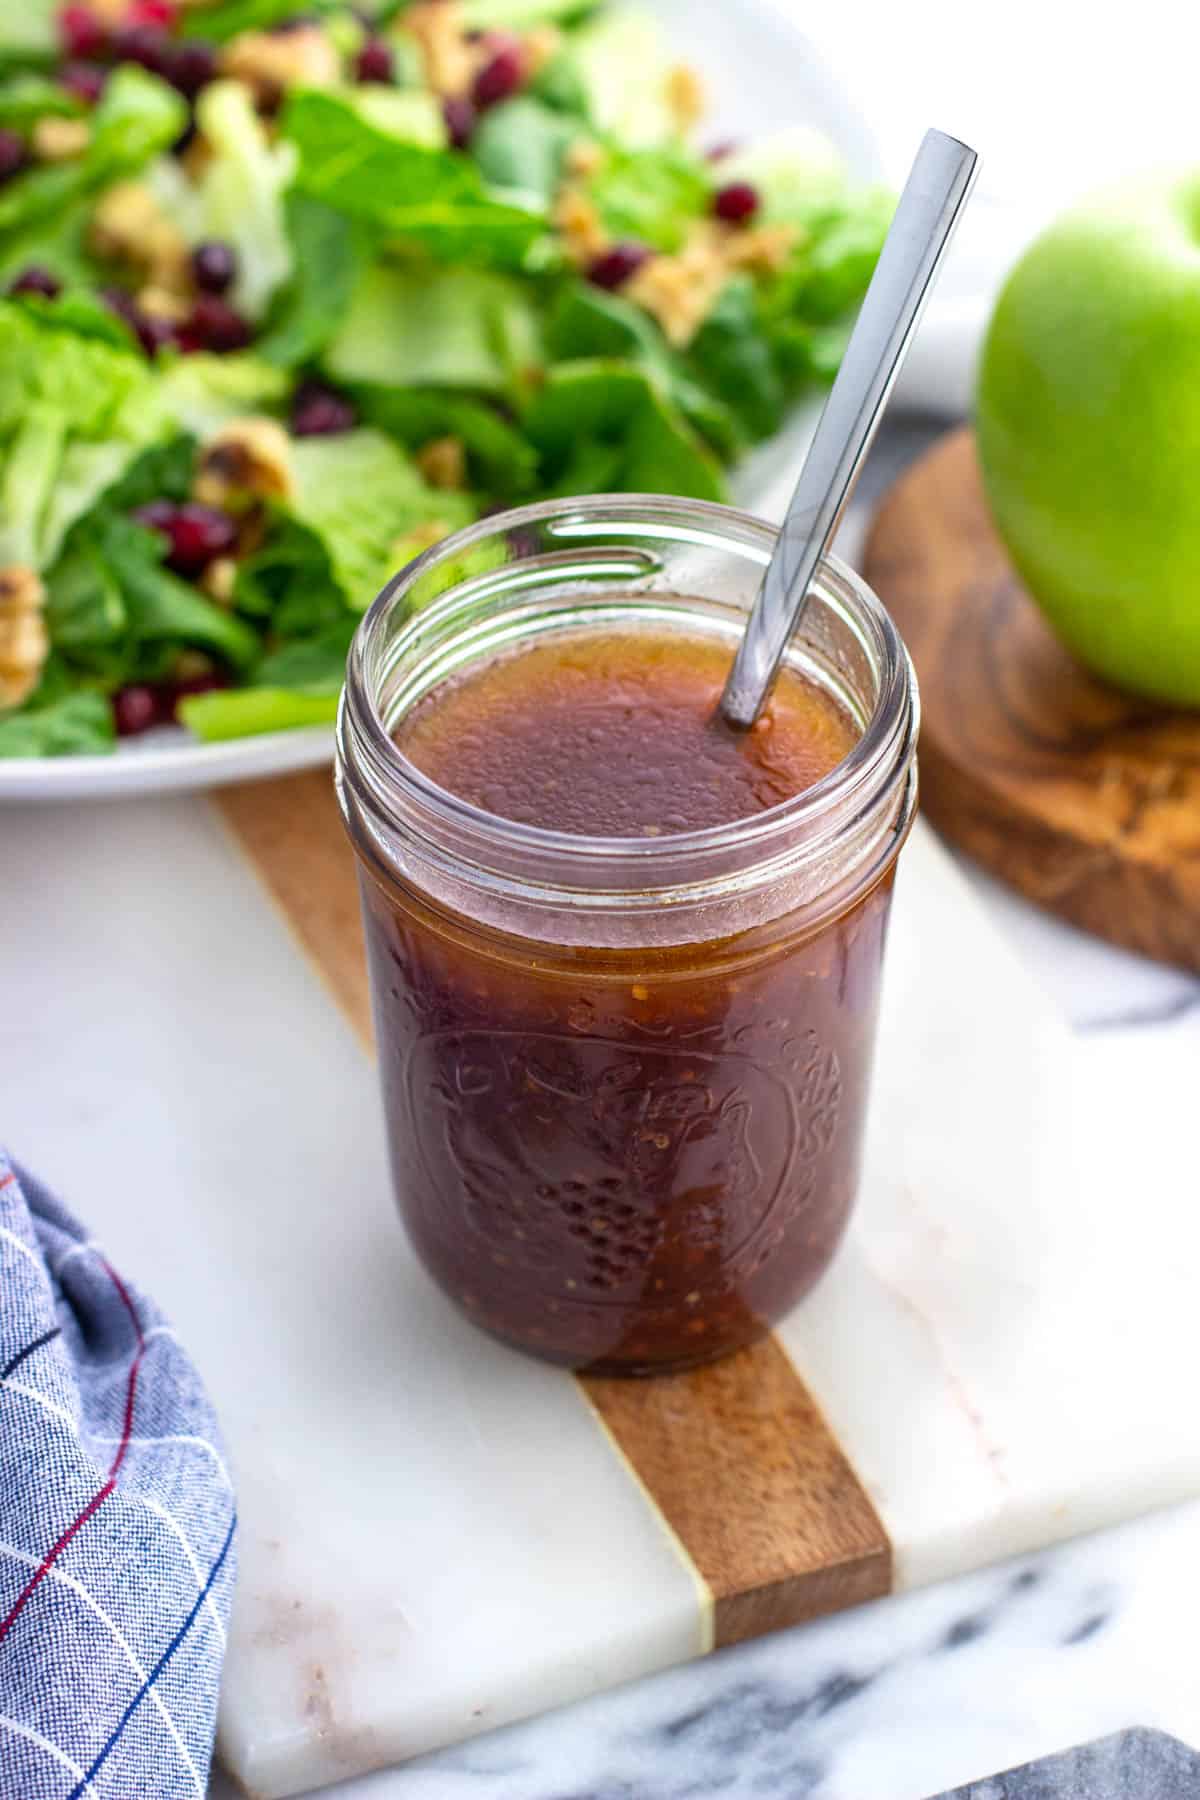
pixel 617 734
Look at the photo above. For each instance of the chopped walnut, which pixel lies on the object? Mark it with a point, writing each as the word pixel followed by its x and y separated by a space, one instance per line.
pixel 248 459
pixel 584 158
pixel 579 221
pixel 219 579
pixel 130 224
pixel 60 140
pixel 679 291
pixel 443 462
pixel 685 96
pixel 162 303
pixel 190 665
pixel 449 56
pixel 271 62
pixel 24 641
pixel 765 247
pixel 196 158
pixel 540 46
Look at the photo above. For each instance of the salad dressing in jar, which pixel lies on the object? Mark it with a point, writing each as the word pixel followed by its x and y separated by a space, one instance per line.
pixel 624 960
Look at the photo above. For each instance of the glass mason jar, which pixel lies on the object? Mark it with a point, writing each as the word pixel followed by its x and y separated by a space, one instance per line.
pixel 624 1079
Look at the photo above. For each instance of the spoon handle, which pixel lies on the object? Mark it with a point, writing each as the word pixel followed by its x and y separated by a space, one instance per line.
pixel 925 217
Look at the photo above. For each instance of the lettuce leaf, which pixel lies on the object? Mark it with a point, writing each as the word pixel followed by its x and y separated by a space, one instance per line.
pixel 521 144
pixel 330 253
pixel 58 241
pixel 239 195
pixel 421 326
pixel 651 194
pixel 227 18
pixel 295 685
pixel 289 582
pixel 433 198
pixel 585 321
pixel 797 173
pixel 246 712
pixel 650 446
pixel 137 117
pixel 28 31
pixel 731 356
pixel 74 412
pixel 500 459
pixel 109 598
pixel 519 15
pixel 846 247
pixel 359 493
pixel 623 61
pixel 315 664
pixel 202 392
pixel 78 722
pixel 411 114
pixel 27 97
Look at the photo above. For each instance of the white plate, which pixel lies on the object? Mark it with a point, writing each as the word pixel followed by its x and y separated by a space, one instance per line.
pixel 762 74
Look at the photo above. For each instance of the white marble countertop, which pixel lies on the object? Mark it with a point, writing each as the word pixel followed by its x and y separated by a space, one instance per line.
pixel 910 1696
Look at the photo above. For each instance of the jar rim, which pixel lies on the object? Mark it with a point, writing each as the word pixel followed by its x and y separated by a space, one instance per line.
pixel 365 742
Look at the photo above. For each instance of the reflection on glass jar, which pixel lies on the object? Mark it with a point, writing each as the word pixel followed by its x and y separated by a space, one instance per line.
pixel 625 1079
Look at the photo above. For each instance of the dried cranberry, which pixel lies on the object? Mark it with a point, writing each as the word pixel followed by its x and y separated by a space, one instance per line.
pixel 121 302
pixel 460 119
pixel 146 45
pixel 207 683
pixel 736 203
pixel 217 325
pixel 13 154
pixel 374 61
pixel 156 515
pixel 191 66
pixel 320 411
pixel 135 709
pixel 502 74
pixel 158 13
pixel 195 534
pixel 83 79
pixel 214 266
pixel 152 333
pixel 37 280
pixel 613 268
pixel 81 33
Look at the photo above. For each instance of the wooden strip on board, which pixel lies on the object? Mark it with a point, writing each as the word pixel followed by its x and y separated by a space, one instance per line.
pixel 751 1480
pixel 736 1457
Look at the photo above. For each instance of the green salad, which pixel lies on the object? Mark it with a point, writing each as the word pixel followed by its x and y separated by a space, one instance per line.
pixel 287 297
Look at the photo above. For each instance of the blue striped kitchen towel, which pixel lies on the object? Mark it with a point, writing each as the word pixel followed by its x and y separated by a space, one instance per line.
pixel 116 1525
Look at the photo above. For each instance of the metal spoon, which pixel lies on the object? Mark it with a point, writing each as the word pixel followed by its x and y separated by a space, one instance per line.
pixel 928 211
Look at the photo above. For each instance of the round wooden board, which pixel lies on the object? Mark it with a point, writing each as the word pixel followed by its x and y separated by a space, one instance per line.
pixel 1085 799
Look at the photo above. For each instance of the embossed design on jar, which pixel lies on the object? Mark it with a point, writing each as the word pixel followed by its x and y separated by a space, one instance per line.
pixel 598 1170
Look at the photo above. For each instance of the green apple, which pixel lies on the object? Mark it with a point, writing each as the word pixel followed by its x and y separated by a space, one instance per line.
pixel 1089 432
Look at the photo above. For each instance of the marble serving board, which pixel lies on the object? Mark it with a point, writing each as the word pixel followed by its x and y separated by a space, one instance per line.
pixel 439 1535
pixel 1131 1765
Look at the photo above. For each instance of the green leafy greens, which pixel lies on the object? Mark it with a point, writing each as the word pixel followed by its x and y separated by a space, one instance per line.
pixel 404 330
